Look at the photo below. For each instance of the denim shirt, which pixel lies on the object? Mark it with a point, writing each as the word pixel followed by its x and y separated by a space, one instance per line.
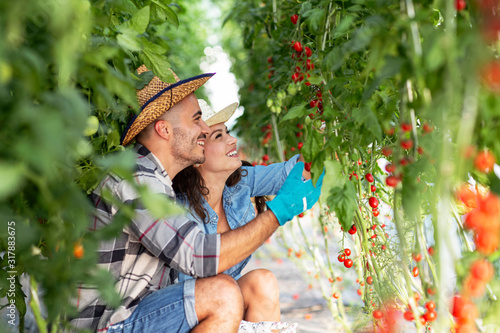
pixel 260 180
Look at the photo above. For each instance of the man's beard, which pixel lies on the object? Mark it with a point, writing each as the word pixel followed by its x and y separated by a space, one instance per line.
pixel 183 148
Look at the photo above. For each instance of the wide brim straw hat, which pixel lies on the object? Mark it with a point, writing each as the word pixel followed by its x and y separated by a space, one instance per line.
pixel 156 98
pixel 210 117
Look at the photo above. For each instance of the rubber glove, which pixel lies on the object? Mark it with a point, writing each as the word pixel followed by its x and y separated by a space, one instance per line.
pixel 295 196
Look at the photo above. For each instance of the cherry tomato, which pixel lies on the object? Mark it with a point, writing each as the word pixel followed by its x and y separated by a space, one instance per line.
pixel 353 230
pixel 297 46
pixel 78 251
pixel 341 257
pixel 369 280
pixel 307 166
pixel 369 177
pixel 417 257
pixel 265 157
pixel 377 314
pixel 347 252
pixel 294 18
pixel 308 52
pixel 376 212
pixel 409 315
pixel 460 5
pixel 300 145
pixel 406 127
pixel 390 168
pixel 415 271
pixel 348 263
pixel 373 188
pixel 430 316
pixel 406 144
pixel 373 202
pixel 392 181
pixel 431 306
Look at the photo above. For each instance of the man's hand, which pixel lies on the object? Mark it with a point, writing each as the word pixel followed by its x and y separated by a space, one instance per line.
pixel 295 196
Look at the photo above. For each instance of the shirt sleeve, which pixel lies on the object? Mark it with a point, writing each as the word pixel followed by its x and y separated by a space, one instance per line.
pixel 176 240
pixel 267 180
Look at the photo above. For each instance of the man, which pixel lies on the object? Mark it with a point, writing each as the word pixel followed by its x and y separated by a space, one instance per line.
pixel 145 258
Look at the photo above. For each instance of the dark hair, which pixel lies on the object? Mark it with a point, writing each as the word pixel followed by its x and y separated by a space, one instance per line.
pixel 190 184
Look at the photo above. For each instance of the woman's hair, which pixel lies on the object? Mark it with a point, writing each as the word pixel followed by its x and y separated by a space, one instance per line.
pixel 190 184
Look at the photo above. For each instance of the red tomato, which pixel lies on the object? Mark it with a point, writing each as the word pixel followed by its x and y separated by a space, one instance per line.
pixel 431 306
pixel 307 166
pixel 406 127
pixel 297 46
pixel 369 280
pixel 427 128
pixel 460 5
pixel 415 271
pixel 390 168
pixel 377 314
pixel 341 257
pixel 265 157
pixel 294 18
pixel 373 188
pixel 409 315
pixel 300 145
pixel 417 257
pixel 347 252
pixel 376 212
pixel 406 144
pixel 348 263
pixel 484 161
pixel 369 177
pixel 392 181
pixel 430 316
pixel 387 151
pixel 353 230
pixel 373 202
pixel 308 52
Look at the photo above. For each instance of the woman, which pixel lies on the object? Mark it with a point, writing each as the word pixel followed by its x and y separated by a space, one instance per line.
pixel 218 194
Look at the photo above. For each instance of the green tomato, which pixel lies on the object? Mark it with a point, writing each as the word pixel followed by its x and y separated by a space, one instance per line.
pixel 292 89
pixel 269 102
pixel 273 109
pixel 92 126
pixel 307 120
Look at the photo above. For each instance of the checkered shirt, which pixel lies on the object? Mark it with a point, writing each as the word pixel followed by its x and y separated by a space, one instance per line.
pixel 149 252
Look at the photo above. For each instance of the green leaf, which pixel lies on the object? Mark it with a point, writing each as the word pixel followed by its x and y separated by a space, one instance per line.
pixel 333 178
pixel 343 201
pixel 153 56
pixel 343 26
pixel 143 79
pixel 140 20
pixel 334 59
pixel 316 19
pixel 296 112
pixel 164 12
pixel 312 145
pixel 128 40
pixel 366 117
pixel 11 176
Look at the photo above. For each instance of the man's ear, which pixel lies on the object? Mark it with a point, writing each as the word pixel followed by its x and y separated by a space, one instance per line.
pixel 164 129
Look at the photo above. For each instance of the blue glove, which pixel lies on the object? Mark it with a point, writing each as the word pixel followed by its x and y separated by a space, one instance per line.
pixel 295 196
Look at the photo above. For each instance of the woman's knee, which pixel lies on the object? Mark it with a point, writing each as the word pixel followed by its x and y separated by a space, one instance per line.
pixel 220 294
pixel 264 282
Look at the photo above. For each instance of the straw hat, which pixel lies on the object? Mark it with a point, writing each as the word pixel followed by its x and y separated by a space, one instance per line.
pixel 157 97
pixel 210 117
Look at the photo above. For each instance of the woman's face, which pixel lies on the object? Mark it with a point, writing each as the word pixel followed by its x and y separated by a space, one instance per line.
pixel 221 153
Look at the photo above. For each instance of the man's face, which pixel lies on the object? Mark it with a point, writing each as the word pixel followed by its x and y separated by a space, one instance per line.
pixel 189 132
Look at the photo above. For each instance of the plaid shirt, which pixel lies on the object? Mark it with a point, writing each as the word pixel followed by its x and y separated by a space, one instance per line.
pixel 148 253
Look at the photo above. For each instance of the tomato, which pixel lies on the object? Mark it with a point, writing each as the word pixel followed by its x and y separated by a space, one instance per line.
pixel 417 257
pixel 383 247
pixel 392 181
pixel 335 295
pixel 341 257
pixel 430 250
pixel 353 230
pixel 308 52
pixel 390 168
pixel 373 202
pixel 376 212
pixel 360 292
pixel 427 128
pixel 353 174
pixel 486 242
pixel 313 103
pixel 373 188
pixel 300 145
pixel 301 215
pixel 431 306
pixel 415 271
pixel 369 280
pixel 430 316
pixel 78 251
pixel 309 64
pixel 294 18
pixel 406 127
pixel 484 161
pixel 298 134
pixel 265 157
pixel 348 263
pixel 406 144
pixel 482 270
pixel 297 46
pixel 369 177
pixel 347 252
pixel 307 166
pixel 295 296
pixel 460 5
pixel 387 151
pixel 295 77
pixel 409 315
pixel 416 297
pixel 377 314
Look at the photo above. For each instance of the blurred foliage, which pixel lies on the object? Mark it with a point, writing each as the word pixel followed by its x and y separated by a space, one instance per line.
pixel 67 90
